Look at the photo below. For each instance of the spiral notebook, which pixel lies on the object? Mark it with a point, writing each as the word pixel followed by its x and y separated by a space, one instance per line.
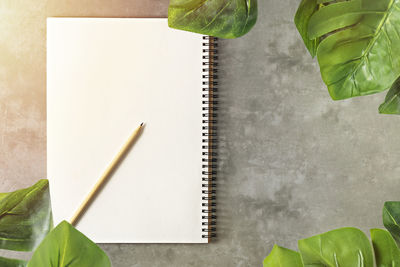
pixel 104 77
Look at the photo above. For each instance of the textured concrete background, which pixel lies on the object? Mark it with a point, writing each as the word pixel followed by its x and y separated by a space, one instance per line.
pixel 293 162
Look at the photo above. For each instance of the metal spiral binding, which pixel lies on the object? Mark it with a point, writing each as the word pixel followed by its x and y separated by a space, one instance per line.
pixel 209 133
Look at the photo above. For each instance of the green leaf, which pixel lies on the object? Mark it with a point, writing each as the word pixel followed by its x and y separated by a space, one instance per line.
pixel 387 253
pixel 392 100
pixel 344 247
pixel 306 9
pixel 282 257
pixel 65 246
pixel 25 217
pixel 391 218
pixel 218 18
pixel 4 262
pixel 359 51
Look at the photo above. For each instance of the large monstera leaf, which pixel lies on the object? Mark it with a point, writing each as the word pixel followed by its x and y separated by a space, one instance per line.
pixel 282 257
pixel 218 18
pixel 306 9
pixel 345 247
pixel 26 224
pixel 357 43
pixel 391 218
pixel 65 246
pixel 391 105
pixel 386 251
pixel 4 262
pixel 25 217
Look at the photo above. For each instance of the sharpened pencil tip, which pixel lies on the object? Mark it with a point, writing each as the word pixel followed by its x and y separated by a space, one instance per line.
pixel 141 124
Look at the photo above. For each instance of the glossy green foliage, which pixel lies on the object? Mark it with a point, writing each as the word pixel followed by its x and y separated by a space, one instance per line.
pixel 306 9
pixel 391 218
pixel 387 254
pixel 218 18
pixel 391 105
pixel 25 217
pixel 345 247
pixel 65 246
pixel 358 43
pixel 4 262
pixel 282 257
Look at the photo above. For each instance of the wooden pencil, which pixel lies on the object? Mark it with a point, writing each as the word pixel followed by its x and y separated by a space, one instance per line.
pixel 106 175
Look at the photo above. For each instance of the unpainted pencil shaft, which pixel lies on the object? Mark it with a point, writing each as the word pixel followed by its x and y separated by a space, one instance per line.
pixel 107 173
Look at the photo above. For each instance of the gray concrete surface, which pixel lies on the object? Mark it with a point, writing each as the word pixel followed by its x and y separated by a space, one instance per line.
pixel 294 163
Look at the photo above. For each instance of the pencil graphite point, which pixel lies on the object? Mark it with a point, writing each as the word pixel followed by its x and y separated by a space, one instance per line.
pixel 141 124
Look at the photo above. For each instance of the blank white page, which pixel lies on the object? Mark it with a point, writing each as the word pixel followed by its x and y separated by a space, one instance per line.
pixel 104 77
